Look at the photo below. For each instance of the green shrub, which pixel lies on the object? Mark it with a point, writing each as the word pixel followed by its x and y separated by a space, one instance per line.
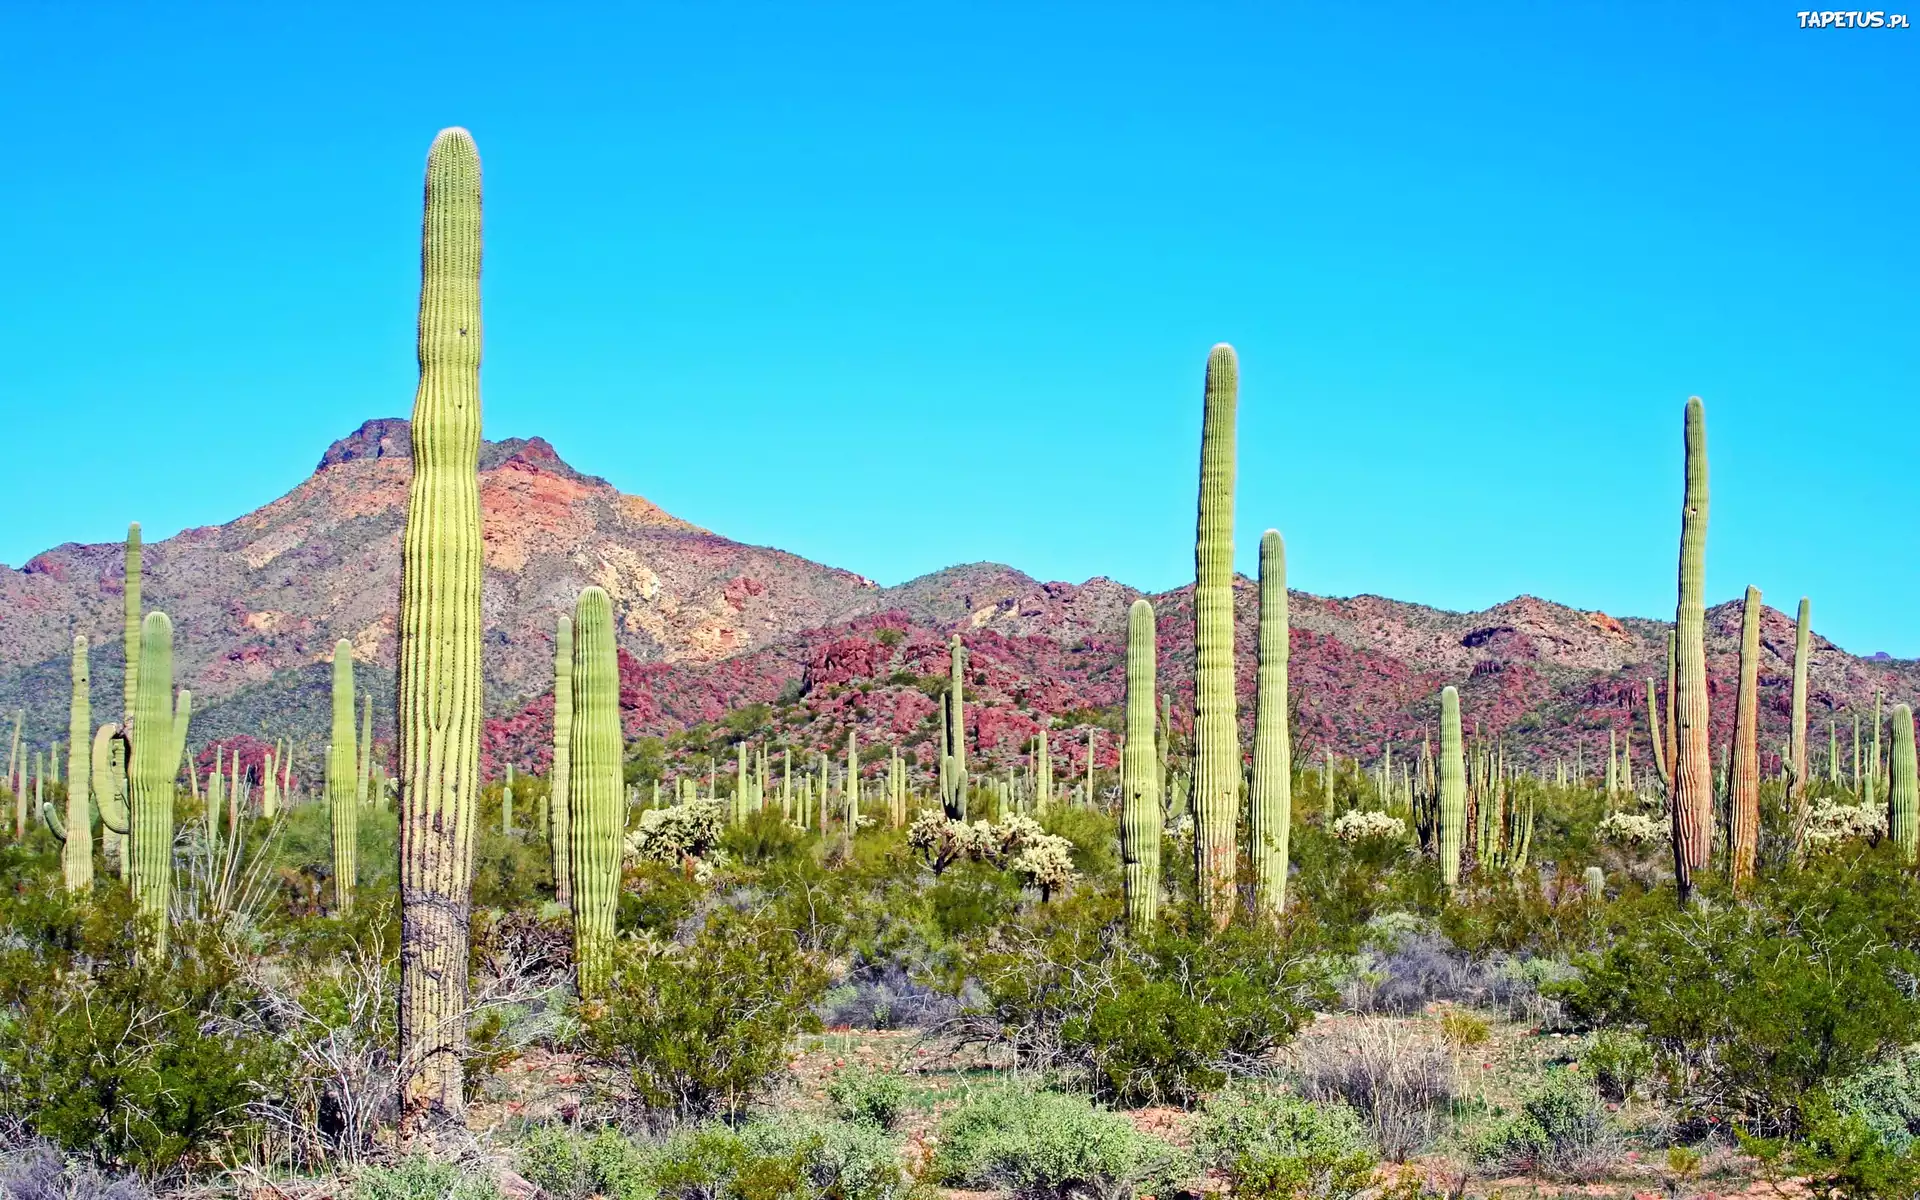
pixel 1885 1097
pixel 1751 1008
pixel 1618 1063
pixel 1153 1019
pixel 1050 1146
pixel 656 898
pixel 1559 1131
pixel 1840 1155
pixel 972 898
pixel 868 1097
pixel 574 1166
pixel 139 1064
pixel 840 1160
pixel 1272 1146
pixel 765 837
pixel 700 1029
pixel 418 1177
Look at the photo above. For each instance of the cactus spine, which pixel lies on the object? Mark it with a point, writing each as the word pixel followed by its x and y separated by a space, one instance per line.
pixel 440 627
pixel 1453 787
pixel 1903 790
pixel 1216 784
pixel 1692 764
pixel 1140 775
pixel 76 859
pixel 595 790
pixel 158 721
pixel 342 810
pixel 1743 833
pixel 1802 650
pixel 1272 799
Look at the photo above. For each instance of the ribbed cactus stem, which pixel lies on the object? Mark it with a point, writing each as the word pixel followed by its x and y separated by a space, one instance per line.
pixel 440 636
pixel 1216 784
pixel 595 790
pixel 156 764
pixel 953 752
pixel 76 857
pixel 1043 772
pixel 1453 788
pixel 1743 801
pixel 343 807
pixel 1903 790
pixel 1872 785
pixel 1802 652
pixel 1140 775
pixel 1595 883
pixel 853 781
pixel 1272 798
pixel 130 622
pixel 363 767
pixel 559 809
pixel 1692 765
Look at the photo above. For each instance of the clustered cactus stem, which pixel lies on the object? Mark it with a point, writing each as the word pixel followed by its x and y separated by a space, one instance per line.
pixel 343 808
pixel 1692 766
pixel 1140 818
pixel 595 790
pixel 1272 792
pixel 440 638
pixel 1216 783
pixel 1743 805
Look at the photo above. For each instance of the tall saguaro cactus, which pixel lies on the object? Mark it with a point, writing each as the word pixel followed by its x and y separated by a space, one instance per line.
pixel 595 790
pixel 1802 648
pixel 440 629
pixel 76 859
pixel 158 725
pixel 1272 799
pixel 1743 807
pixel 559 810
pixel 1903 790
pixel 1216 783
pixel 1453 787
pixel 1140 775
pixel 343 806
pixel 130 625
pixel 953 752
pixel 1692 765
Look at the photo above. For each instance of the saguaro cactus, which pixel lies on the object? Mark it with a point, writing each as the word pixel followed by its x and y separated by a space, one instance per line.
pixel 1140 775
pixel 1743 806
pixel 363 769
pixel 1216 783
pixel 76 859
pixel 440 627
pixel 1453 787
pixel 1272 800
pixel 159 723
pixel 1903 790
pixel 559 810
pixel 1693 764
pixel 596 789
pixel 953 753
pixel 342 780
pixel 1802 649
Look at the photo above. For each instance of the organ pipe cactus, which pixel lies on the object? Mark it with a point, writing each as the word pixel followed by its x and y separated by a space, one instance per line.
pixel 595 790
pixel 440 634
pixel 1272 798
pixel 1802 650
pixel 1453 788
pixel 1692 765
pixel 1743 804
pixel 1140 776
pixel 559 810
pixel 343 809
pixel 1216 783
pixel 1903 791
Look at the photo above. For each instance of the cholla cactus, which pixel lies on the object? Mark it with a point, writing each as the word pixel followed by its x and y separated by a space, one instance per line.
pixel 1358 826
pixel 1633 829
pixel 1830 825
pixel 678 834
pixel 1045 864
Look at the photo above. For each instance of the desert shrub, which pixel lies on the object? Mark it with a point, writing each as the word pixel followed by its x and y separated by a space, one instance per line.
pixel 40 1171
pixel 1751 1008
pixel 972 898
pixel 141 1062
pixel 1051 1146
pixel 883 995
pixel 765 837
pixel 1149 1019
pixel 656 899
pixel 1839 1155
pixel 574 1166
pixel 840 1160
pixel 419 1177
pixel 509 870
pixel 699 1029
pixel 1618 1063
pixel 1271 1146
pixel 1398 1081
pixel 1560 1131
pixel 868 1097
pixel 1094 836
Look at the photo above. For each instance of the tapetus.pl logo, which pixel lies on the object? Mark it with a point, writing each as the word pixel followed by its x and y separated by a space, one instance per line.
pixel 1853 20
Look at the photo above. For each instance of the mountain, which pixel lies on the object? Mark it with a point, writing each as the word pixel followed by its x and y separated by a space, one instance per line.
pixel 709 626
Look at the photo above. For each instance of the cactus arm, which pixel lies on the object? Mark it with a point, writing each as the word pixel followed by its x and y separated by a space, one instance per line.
pixel 110 779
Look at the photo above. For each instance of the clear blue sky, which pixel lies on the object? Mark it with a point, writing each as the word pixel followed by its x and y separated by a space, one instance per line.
pixel 903 285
